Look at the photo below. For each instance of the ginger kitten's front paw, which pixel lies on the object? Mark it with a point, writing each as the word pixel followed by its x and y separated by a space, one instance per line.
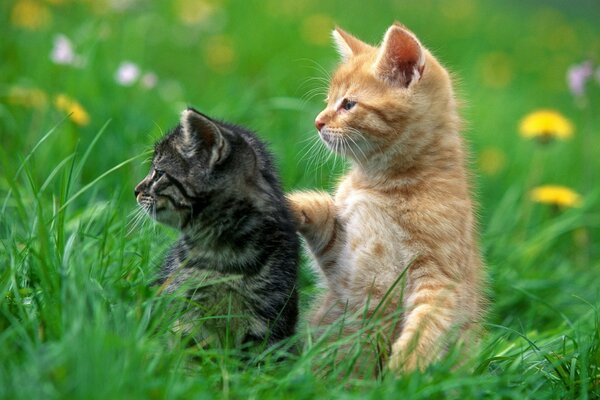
pixel 409 355
pixel 400 363
pixel 296 202
pixel 312 210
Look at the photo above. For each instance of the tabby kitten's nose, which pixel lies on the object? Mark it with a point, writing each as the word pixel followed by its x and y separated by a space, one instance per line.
pixel 319 124
pixel 137 190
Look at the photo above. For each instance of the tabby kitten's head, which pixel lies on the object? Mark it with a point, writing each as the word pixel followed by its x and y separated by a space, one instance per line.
pixel 199 161
pixel 385 100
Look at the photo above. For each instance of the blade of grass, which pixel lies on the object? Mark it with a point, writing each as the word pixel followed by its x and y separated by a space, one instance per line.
pixel 99 178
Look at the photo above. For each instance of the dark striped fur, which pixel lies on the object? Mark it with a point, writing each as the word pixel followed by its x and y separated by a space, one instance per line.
pixel 237 257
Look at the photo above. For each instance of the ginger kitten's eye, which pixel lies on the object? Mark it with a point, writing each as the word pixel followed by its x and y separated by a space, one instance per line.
pixel 347 104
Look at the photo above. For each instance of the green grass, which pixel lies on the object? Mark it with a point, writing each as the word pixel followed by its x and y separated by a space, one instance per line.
pixel 78 318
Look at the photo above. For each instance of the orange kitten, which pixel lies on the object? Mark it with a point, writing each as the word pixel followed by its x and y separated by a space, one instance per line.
pixel 404 206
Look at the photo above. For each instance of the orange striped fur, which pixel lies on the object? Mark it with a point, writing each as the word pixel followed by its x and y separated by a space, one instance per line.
pixel 405 203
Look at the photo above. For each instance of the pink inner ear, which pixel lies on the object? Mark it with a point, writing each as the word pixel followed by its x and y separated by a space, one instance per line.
pixel 404 50
pixel 401 58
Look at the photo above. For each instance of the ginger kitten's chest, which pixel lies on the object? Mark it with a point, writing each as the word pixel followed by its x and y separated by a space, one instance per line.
pixel 377 247
pixel 363 206
pixel 373 229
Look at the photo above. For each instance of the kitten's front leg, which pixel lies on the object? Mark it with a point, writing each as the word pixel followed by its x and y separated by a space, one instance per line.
pixel 315 214
pixel 430 310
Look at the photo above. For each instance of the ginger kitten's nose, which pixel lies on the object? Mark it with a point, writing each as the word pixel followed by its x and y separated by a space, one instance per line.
pixel 319 124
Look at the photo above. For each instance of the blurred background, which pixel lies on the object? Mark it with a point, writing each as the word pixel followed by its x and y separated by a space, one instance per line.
pixel 257 63
pixel 98 81
pixel 87 87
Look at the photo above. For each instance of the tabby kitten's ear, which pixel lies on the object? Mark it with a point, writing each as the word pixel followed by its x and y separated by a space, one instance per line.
pixel 401 58
pixel 199 132
pixel 347 45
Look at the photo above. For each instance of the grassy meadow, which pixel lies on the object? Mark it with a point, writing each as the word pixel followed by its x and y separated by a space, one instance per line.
pixel 86 87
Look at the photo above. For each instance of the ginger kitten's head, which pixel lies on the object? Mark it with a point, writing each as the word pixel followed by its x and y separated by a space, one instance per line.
pixel 385 101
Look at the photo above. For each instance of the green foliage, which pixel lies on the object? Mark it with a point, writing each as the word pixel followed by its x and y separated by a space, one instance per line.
pixel 78 316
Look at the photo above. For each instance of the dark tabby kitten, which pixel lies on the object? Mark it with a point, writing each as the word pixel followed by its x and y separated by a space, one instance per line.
pixel 237 257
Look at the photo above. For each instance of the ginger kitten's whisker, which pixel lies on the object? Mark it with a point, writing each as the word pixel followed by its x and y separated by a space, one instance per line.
pixel 349 137
pixel 310 152
pixel 352 151
pixel 317 67
pixel 308 96
pixel 310 155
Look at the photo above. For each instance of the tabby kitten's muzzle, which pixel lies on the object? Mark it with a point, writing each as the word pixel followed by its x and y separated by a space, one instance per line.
pixel 139 188
pixel 142 198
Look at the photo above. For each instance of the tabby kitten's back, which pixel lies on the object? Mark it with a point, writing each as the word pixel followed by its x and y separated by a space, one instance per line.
pixel 237 257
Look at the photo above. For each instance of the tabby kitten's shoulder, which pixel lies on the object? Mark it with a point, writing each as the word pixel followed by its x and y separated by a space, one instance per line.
pixel 237 257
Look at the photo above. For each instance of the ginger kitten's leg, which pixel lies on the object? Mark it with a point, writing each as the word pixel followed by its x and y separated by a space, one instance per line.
pixel 317 222
pixel 429 318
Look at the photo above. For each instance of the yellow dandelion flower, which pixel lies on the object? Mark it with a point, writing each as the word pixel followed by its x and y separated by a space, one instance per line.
pixel 76 112
pixel 556 195
pixel 491 161
pixel 219 53
pixel 27 97
pixel 316 29
pixel 30 14
pixel 546 125
pixel 192 12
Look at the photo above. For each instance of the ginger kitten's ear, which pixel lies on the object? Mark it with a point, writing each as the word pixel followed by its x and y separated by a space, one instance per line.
pixel 346 44
pixel 401 58
pixel 200 132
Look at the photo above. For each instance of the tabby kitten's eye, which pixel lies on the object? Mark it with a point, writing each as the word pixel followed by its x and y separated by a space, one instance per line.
pixel 347 104
pixel 158 173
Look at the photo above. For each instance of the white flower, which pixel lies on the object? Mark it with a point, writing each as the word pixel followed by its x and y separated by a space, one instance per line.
pixel 63 53
pixel 149 80
pixel 127 73
pixel 577 76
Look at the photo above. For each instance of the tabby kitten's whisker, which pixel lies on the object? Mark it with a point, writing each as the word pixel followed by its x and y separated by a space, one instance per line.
pixel 136 219
pixel 153 211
